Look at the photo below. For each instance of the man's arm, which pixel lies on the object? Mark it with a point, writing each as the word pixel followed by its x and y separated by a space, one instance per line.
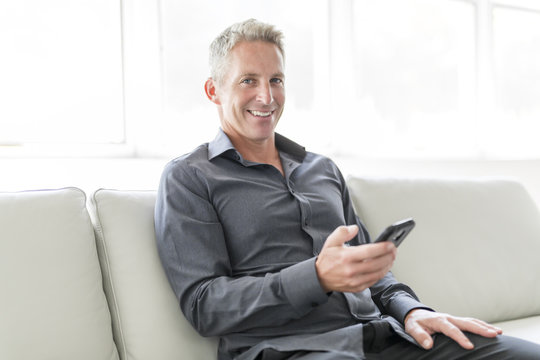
pixel 194 254
pixel 399 301
pixel 391 297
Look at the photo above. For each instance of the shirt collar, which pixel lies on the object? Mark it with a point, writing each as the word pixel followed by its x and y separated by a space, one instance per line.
pixel 222 144
pixel 219 145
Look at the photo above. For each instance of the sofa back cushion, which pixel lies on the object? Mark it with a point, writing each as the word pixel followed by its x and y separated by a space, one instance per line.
pixel 147 320
pixel 52 304
pixel 474 251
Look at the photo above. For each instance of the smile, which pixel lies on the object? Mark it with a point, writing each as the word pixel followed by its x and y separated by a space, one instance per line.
pixel 260 113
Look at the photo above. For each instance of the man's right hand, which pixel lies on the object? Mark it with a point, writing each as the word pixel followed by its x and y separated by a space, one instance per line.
pixel 352 269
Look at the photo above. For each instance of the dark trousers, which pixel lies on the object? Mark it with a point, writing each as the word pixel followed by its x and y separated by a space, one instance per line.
pixel 393 347
pixel 499 348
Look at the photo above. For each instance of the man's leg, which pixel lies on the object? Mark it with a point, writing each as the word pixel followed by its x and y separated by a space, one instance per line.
pixel 499 348
pixel 270 354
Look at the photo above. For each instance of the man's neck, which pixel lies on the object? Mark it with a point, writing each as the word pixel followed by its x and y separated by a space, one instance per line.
pixel 263 151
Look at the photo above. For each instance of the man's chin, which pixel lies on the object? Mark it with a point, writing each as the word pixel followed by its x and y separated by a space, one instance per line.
pixel 262 136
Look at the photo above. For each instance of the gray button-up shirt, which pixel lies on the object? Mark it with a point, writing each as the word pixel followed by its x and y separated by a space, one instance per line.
pixel 238 241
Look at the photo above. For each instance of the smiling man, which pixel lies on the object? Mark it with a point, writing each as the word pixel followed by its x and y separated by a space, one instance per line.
pixel 251 231
pixel 250 96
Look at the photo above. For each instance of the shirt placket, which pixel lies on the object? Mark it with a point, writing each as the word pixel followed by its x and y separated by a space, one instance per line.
pixel 306 214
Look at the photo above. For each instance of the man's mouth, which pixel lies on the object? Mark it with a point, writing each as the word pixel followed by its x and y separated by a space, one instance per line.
pixel 260 113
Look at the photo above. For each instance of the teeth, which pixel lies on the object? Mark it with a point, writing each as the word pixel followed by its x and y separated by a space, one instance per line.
pixel 260 113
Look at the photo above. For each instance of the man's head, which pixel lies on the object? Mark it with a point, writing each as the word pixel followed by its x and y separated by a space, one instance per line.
pixel 249 90
pixel 249 30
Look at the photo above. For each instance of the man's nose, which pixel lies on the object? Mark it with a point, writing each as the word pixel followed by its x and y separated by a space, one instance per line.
pixel 264 94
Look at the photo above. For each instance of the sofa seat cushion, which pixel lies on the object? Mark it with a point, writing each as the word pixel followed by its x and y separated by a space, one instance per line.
pixel 52 301
pixel 147 320
pixel 474 251
pixel 526 328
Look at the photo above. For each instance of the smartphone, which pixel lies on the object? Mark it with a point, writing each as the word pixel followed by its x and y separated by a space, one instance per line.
pixel 397 232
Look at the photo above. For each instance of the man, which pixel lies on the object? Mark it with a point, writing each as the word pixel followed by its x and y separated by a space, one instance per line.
pixel 252 233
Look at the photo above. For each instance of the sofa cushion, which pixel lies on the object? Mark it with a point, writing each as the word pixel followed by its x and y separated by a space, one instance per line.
pixel 474 251
pixel 147 320
pixel 526 328
pixel 52 301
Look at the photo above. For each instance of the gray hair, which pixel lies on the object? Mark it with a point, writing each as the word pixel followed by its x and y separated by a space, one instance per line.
pixel 248 30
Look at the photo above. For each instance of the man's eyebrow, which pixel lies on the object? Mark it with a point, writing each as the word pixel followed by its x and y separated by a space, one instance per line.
pixel 278 74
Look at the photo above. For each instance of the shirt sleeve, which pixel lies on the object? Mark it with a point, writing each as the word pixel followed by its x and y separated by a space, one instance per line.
pixel 193 251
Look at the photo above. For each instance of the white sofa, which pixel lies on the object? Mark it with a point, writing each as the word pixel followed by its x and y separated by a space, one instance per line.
pixel 81 279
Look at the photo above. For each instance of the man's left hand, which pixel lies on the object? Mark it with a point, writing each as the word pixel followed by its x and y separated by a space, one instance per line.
pixel 421 324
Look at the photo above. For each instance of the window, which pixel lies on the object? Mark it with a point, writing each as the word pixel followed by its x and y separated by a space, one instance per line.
pixel 61 72
pixel 415 73
pixel 371 78
pixel 187 29
pixel 446 78
pixel 514 124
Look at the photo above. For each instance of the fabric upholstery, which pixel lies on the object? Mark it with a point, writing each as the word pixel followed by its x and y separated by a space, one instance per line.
pixel 52 304
pixel 147 320
pixel 474 251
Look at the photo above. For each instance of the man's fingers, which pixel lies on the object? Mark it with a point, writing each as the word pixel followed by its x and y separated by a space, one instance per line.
pixel 341 235
pixel 421 336
pixel 426 341
pixel 476 326
pixel 352 269
pixel 420 322
pixel 454 332
pixel 371 252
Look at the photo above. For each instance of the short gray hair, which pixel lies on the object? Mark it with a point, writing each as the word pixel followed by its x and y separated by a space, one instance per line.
pixel 248 30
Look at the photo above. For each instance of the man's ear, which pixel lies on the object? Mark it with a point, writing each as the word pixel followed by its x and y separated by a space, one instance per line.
pixel 210 90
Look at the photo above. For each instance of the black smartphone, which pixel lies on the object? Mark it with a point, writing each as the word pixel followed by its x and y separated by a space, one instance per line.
pixel 397 232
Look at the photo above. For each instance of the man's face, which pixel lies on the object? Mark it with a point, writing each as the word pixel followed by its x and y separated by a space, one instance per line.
pixel 251 93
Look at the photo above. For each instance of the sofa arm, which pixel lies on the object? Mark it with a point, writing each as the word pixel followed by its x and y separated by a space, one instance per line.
pixel 51 299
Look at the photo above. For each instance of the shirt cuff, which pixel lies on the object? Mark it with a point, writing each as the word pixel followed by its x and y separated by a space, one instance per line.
pixel 400 308
pixel 301 286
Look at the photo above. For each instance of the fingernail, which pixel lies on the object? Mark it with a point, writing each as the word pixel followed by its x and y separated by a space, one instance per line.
pixel 425 344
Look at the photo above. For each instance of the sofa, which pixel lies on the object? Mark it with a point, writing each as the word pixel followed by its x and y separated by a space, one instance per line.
pixel 81 278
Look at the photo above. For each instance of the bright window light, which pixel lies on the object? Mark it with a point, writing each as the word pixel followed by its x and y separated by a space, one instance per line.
pixel 61 72
pixel 189 117
pixel 364 78
pixel 412 79
pixel 515 121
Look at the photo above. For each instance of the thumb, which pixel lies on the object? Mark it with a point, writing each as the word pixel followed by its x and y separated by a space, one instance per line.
pixel 341 235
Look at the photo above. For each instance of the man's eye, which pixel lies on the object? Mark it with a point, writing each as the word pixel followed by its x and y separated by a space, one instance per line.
pixel 277 81
pixel 247 81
